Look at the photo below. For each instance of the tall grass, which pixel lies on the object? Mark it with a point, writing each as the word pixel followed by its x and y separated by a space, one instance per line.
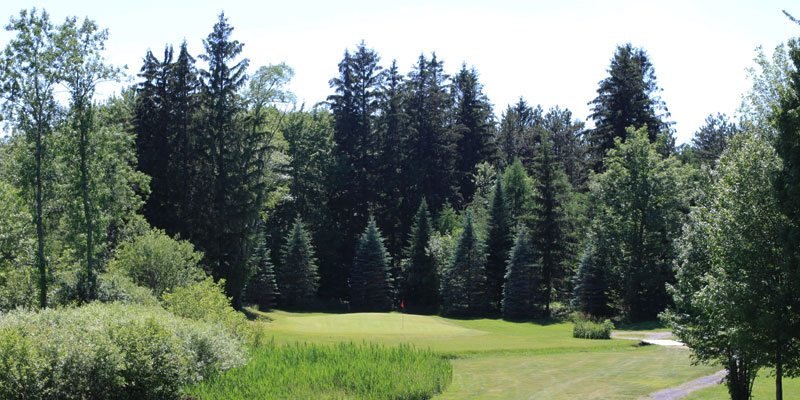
pixel 585 329
pixel 344 370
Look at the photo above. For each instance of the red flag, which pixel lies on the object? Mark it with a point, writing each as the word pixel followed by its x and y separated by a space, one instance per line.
pixel 402 305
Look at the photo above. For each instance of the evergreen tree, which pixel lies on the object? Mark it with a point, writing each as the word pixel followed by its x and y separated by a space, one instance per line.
pixel 710 141
pixel 521 292
pixel 474 127
pixel 550 222
pixel 370 277
pixel 498 244
pixel 590 289
pixel 515 138
pixel 234 164
pixel 431 143
pixel 352 184
pixel 517 191
pixel 464 280
pixel 628 97
pixel 569 144
pixel 420 284
pixel 262 288
pixel 297 275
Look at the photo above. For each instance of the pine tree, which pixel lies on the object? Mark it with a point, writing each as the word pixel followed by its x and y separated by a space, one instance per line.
pixel 590 289
pixel 627 98
pixel 517 191
pixel 464 280
pixel 420 284
pixel 262 288
pixel 370 277
pixel 550 223
pixel 710 141
pixel 474 126
pixel 569 144
pixel 515 138
pixel 498 244
pixel 522 292
pixel 297 275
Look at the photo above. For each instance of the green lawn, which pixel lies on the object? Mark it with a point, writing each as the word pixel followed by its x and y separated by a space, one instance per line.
pixel 763 389
pixel 493 358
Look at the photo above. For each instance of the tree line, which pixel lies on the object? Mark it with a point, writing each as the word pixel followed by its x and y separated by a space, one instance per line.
pixel 402 188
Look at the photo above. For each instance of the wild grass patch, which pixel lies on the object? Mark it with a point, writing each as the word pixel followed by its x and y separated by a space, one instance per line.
pixel 586 329
pixel 344 370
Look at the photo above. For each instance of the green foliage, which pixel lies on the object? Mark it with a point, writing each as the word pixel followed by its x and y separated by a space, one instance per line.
pixel 464 280
pixel 498 244
pixel 640 202
pixel 517 190
pixel 205 301
pixel 420 283
pixel 297 275
pixel 345 370
pixel 370 278
pixel 590 293
pixel 111 287
pixel 19 288
pixel 156 261
pixel 447 220
pixel 710 141
pixel 587 329
pixel 15 230
pixel 730 304
pixel 99 350
pixel 522 292
pixel 516 136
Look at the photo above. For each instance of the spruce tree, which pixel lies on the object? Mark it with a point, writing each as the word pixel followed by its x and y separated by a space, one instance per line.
pixel 498 244
pixel 522 291
pixel 710 141
pixel 590 289
pixel 464 280
pixel 628 97
pixel 297 275
pixel 262 288
pixel 550 222
pixel 370 277
pixel 515 138
pixel 420 284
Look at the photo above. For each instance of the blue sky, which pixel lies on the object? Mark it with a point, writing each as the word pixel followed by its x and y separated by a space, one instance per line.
pixel 550 52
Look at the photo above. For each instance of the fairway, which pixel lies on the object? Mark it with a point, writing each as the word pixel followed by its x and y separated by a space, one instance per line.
pixel 497 359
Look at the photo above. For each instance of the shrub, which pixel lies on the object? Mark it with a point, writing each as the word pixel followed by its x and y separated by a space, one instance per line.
pixel 205 301
pixel 586 329
pixel 19 288
pixel 104 351
pixel 157 261
pixel 111 287
pixel 344 370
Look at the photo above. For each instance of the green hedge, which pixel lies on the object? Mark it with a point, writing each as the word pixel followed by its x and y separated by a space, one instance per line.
pixel 109 351
pixel 585 329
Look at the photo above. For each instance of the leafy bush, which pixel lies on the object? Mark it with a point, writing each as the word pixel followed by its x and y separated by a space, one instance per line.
pixel 205 301
pixel 19 288
pixel 344 370
pixel 159 262
pixel 586 329
pixel 102 351
pixel 111 287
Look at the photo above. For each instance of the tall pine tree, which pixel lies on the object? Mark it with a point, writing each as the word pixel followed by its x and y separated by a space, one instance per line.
pixel 370 277
pixel 498 244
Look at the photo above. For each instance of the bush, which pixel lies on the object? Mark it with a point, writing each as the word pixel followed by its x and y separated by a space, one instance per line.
pixel 19 288
pixel 344 370
pixel 586 329
pixel 157 261
pixel 205 301
pixel 103 351
pixel 111 287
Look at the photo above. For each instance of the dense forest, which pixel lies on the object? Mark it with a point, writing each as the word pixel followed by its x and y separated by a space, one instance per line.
pixel 403 187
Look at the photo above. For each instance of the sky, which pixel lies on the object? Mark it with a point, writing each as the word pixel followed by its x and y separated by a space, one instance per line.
pixel 552 53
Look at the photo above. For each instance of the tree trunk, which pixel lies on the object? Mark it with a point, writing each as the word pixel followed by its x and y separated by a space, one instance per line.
pixel 778 375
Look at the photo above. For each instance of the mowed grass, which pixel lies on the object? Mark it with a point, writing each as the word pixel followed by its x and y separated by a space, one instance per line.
pixel 763 389
pixel 345 370
pixel 628 373
pixel 453 337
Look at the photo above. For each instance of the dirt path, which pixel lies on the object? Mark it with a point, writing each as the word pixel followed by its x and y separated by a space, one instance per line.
pixel 688 387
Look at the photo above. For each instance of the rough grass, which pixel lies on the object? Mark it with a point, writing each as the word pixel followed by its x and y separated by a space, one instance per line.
pixel 763 389
pixel 345 370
